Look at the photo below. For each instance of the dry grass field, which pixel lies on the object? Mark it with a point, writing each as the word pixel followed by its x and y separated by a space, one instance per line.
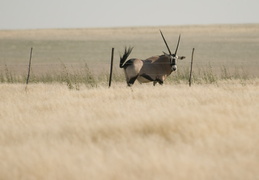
pixel 69 125
pixel 208 131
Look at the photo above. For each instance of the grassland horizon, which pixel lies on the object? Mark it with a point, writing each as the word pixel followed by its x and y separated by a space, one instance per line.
pixel 231 46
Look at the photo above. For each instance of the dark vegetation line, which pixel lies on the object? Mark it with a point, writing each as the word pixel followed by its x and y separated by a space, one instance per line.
pixel 75 78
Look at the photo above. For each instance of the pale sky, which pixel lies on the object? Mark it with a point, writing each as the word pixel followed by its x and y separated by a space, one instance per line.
pixel 38 14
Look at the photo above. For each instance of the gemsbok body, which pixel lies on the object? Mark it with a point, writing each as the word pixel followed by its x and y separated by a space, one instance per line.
pixel 154 69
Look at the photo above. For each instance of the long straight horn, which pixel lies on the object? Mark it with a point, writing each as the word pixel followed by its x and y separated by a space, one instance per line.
pixel 178 44
pixel 165 42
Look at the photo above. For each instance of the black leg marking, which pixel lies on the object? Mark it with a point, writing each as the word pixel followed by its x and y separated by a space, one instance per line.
pixel 132 80
pixel 160 81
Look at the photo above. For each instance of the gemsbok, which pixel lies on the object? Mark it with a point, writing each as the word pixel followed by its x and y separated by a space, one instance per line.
pixel 154 69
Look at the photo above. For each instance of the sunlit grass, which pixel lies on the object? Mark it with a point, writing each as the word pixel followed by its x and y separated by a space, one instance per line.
pixel 67 124
pixel 143 132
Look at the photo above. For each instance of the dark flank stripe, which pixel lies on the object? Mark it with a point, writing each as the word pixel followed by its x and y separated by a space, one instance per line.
pixel 147 77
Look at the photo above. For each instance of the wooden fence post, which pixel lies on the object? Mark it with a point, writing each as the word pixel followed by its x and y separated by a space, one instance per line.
pixel 190 79
pixel 29 69
pixel 111 68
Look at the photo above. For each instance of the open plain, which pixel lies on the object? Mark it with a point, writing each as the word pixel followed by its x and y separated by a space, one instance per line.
pixel 167 132
pixel 233 46
pixel 52 131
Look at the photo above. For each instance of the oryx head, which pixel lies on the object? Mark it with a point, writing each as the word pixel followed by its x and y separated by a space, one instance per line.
pixel 173 57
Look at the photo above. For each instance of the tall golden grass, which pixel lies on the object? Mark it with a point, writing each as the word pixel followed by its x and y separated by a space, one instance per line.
pixel 208 131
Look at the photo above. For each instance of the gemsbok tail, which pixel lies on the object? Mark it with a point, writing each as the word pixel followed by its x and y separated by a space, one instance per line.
pixel 124 57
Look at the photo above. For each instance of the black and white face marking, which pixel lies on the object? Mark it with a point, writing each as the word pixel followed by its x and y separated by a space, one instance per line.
pixel 174 62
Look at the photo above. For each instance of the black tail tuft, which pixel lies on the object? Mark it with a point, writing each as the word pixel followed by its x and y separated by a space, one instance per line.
pixel 124 57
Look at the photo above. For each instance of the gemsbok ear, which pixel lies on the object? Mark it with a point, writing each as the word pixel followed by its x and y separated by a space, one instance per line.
pixel 181 57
